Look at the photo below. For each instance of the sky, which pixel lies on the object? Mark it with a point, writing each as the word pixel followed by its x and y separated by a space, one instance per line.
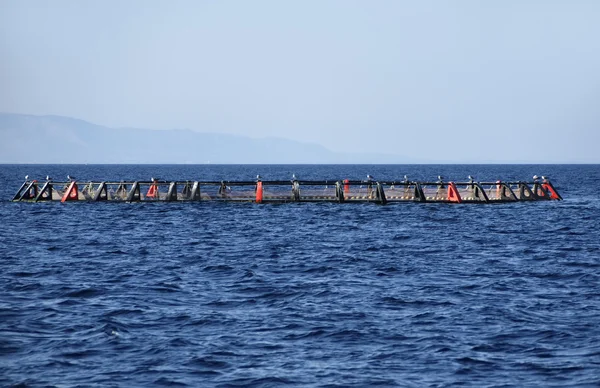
pixel 460 81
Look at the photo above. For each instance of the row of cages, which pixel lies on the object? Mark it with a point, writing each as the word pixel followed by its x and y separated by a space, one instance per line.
pixel 290 191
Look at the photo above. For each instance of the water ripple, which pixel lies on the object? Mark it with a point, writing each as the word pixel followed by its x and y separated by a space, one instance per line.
pixel 322 295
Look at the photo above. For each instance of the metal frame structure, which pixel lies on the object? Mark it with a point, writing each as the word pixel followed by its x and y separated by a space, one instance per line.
pixel 276 191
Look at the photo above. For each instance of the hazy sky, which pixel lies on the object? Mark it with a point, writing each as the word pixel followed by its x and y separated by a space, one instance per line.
pixel 454 80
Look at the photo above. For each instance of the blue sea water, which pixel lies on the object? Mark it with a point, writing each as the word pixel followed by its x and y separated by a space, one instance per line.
pixel 301 294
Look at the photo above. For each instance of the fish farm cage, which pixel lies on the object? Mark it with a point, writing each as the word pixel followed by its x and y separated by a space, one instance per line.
pixel 294 190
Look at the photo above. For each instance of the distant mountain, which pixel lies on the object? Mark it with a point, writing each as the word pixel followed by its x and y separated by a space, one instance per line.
pixel 56 139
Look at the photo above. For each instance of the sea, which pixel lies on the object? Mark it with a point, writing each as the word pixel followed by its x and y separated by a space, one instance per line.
pixel 301 294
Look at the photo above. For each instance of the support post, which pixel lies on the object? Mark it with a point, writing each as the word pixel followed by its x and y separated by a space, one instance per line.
pixel 296 191
pixel 419 195
pixel 71 194
pixel 153 191
pixel 186 192
pixel 551 190
pixel 102 193
pixel 479 193
pixel 30 192
pixel 45 193
pixel 506 193
pixel 17 196
pixel 339 192
pixel 195 195
pixel 172 193
pixel 134 194
pixel 453 194
pixel 259 192
pixel 381 194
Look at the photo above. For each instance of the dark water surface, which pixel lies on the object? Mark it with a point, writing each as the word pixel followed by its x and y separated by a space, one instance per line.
pixel 225 294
